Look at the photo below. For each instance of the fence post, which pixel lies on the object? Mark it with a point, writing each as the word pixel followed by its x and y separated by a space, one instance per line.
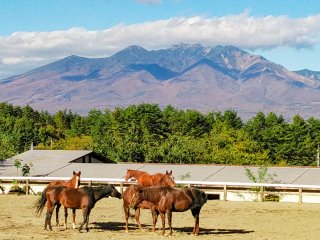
pixel 225 192
pixel 261 193
pixel 121 187
pixel 300 195
pixel 27 187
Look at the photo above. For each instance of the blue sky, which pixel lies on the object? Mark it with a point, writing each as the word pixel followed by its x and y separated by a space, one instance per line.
pixel 37 32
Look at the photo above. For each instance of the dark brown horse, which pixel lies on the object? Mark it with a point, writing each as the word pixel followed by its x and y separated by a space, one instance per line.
pixel 146 180
pixel 168 200
pixel 83 198
pixel 74 182
pixel 127 196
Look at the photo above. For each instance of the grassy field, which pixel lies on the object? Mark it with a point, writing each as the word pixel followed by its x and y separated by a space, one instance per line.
pixel 218 220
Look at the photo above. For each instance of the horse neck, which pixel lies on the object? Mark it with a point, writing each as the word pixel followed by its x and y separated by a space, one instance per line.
pixel 99 193
pixel 198 196
pixel 73 182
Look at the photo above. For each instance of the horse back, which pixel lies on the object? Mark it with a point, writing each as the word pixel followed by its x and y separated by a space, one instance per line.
pixel 56 183
pixel 180 200
pixel 69 197
pixel 155 180
pixel 75 198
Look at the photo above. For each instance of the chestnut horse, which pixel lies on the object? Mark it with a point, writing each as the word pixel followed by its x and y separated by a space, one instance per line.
pixel 168 200
pixel 74 182
pixel 127 196
pixel 146 180
pixel 83 198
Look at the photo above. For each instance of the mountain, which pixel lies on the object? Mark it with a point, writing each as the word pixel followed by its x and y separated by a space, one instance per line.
pixel 309 73
pixel 185 76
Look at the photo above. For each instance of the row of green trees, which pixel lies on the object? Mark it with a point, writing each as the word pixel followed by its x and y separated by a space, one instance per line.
pixel 147 133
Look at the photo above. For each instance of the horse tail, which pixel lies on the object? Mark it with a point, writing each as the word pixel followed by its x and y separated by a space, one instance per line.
pixel 41 202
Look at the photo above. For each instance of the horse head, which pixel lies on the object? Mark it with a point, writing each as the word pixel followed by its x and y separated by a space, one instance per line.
pixel 136 198
pixel 128 175
pixel 115 193
pixel 76 179
pixel 169 179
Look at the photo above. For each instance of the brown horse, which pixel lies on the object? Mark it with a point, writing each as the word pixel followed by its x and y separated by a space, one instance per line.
pixel 74 182
pixel 127 196
pixel 83 198
pixel 168 200
pixel 146 180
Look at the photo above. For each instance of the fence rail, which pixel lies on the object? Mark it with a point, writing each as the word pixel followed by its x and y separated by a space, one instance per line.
pixel 225 186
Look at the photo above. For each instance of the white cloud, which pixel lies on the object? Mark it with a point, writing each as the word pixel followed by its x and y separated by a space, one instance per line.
pixel 23 49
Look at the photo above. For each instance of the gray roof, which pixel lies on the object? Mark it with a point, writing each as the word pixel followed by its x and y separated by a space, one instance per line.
pixel 58 163
pixel 44 162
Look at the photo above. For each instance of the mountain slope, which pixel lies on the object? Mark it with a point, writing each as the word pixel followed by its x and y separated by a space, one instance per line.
pixel 185 76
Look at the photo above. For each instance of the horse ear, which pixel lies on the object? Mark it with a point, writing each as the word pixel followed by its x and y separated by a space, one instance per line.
pixel 171 172
pixel 79 172
pixel 74 172
pixel 167 172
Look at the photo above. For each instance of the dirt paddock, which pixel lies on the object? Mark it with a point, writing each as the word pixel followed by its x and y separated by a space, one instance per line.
pixel 218 220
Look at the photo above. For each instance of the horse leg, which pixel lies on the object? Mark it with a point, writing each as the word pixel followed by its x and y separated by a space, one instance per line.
pixel 74 218
pixel 162 215
pixel 126 216
pixel 57 213
pixel 155 214
pixel 65 217
pixel 85 218
pixel 169 213
pixel 137 215
pixel 196 213
pixel 88 214
pixel 84 213
pixel 47 221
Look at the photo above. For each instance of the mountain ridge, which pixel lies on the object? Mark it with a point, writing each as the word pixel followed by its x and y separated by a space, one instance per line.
pixel 184 75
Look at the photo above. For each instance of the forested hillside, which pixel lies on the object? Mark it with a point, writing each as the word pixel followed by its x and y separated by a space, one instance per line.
pixel 147 133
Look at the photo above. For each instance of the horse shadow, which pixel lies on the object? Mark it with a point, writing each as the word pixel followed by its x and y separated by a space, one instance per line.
pixel 114 226
pixel 213 231
pixel 120 226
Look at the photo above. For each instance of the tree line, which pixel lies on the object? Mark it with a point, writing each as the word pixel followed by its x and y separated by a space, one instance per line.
pixel 148 133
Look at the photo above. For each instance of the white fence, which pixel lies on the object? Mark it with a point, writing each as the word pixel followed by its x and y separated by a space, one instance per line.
pixel 227 191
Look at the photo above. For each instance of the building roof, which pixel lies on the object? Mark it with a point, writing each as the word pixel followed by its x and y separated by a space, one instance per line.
pixel 60 163
pixel 44 162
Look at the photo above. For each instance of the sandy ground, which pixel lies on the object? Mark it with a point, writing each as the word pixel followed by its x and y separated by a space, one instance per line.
pixel 218 220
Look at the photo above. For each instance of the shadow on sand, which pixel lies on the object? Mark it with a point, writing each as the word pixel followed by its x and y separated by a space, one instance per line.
pixel 119 226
